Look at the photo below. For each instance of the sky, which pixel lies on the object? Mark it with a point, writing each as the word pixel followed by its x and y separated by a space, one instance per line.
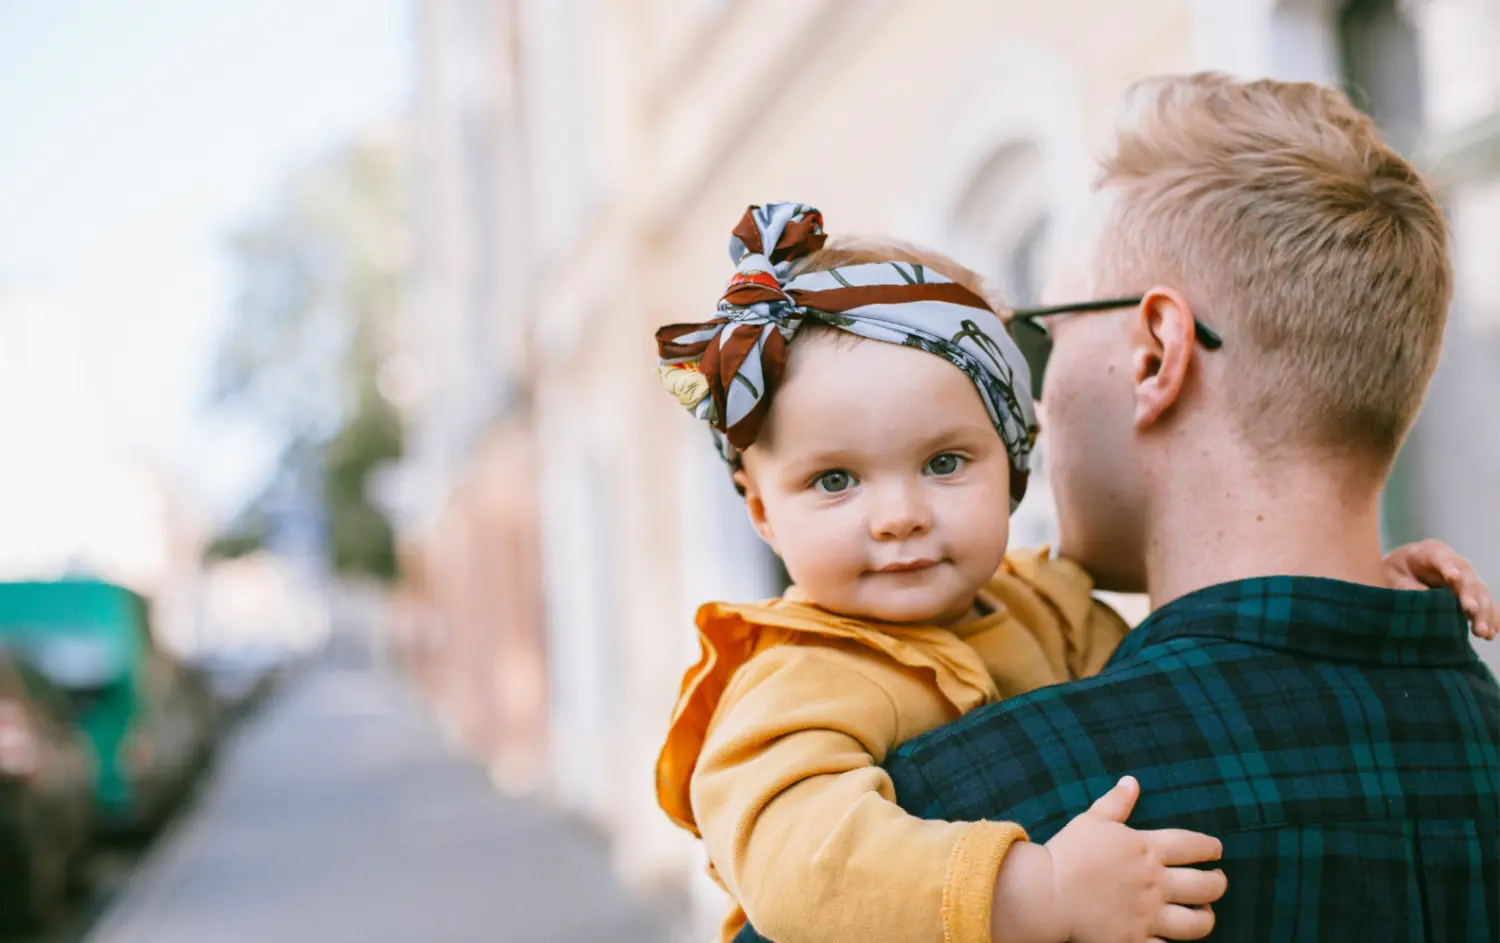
pixel 134 138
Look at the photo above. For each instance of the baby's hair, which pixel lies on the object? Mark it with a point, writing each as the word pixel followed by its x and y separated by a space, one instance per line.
pixel 862 249
pixel 840 251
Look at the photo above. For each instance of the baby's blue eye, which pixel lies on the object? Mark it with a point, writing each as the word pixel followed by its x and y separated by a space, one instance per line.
pixel 945 464
pixel 833 482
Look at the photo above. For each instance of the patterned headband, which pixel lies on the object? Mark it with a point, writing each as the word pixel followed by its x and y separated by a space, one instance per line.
pixel 725 370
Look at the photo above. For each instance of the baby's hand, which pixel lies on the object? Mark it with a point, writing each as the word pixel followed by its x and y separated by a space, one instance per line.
pixel 1101 881
pixel 1432 564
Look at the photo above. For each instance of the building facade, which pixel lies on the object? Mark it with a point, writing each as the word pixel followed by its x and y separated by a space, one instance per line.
pixel 586 160
pixel 468 617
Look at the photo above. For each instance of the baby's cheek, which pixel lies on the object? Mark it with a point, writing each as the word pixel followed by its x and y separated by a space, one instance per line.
pixel 977 516
pixel 982 539
pixel 824 560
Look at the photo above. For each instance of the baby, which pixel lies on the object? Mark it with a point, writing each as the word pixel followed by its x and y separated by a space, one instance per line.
pixel 878 420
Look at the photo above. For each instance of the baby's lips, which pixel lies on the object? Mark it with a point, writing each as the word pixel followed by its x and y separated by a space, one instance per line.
pixel 907 566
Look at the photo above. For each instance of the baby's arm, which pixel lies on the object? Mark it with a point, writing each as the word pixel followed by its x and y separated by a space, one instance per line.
pixel 799 819
pixel 801 825
pixel 1432 564
pixel 1100 880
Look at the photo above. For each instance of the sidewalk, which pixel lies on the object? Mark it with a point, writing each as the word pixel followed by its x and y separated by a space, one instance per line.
pixel 338 816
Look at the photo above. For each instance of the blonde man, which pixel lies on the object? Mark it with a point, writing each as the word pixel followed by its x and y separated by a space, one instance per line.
pixel 1266 287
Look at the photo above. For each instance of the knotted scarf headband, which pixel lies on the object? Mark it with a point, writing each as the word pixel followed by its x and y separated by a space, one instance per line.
pixel 726 370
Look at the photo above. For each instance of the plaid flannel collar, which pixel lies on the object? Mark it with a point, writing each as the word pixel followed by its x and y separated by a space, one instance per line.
pixel 1321 618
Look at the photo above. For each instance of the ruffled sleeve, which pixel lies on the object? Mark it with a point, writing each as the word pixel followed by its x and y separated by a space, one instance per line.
pixel 730 635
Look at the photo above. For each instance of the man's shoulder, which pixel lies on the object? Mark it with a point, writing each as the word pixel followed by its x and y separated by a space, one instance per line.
pixel 1057 748
pixel 1137 678
pixel 1223 735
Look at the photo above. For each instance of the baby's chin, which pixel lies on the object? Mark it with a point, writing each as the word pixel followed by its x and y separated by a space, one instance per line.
pixel 916 607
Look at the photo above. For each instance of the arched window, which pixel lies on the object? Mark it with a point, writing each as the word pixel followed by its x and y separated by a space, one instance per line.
pixel 1002 218
pixel 1005 169
pixel 1024 268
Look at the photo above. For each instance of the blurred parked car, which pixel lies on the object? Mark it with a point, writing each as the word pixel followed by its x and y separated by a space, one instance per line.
pixel 150 718
pixel 240 678
pixel 47 774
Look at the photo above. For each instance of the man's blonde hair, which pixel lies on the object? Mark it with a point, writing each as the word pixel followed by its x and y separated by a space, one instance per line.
pixel 1313 248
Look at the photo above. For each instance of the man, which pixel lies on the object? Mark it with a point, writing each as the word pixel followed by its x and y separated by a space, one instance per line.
pixel 1282 279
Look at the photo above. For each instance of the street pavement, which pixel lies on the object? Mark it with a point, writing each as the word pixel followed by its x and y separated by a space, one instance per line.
pixel 338 815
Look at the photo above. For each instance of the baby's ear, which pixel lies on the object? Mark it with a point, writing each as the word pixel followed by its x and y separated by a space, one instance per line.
pixel 755 507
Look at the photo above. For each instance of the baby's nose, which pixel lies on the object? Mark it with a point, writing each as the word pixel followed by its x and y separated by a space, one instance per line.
pixel 900 510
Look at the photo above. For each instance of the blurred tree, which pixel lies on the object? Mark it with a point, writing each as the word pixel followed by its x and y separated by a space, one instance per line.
pixel 320 279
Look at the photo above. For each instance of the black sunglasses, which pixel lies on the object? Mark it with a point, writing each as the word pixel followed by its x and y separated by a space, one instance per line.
pixel 1036 343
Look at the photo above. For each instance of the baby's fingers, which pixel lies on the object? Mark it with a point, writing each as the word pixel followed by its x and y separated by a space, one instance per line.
pixel 1459 575
pixel 1486 615
pixel 1176 846
pixel 1192 887
pixel 1183 923
pixel 1472 595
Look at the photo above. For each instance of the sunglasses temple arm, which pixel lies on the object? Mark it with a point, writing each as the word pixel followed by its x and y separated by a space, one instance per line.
pixel 1108 304
pixel 1206 336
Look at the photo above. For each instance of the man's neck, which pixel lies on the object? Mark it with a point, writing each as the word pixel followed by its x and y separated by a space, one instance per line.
pixel 1233 524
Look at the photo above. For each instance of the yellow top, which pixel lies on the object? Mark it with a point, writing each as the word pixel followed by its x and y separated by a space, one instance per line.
pixel 774 751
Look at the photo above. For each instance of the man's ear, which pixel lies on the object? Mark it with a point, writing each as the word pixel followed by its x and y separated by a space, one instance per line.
pixel 755 507
pixel 1161 342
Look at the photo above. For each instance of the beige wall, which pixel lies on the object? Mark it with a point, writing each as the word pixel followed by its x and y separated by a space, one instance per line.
pixel 469 616
pixel 628 136
pixel 887 115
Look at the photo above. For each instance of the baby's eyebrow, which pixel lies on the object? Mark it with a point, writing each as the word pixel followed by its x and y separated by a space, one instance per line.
pixel 830 458
pixel 947 437
pixel 958 435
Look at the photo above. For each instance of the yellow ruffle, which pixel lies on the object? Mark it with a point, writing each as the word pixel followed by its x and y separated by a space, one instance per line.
pixel 731 634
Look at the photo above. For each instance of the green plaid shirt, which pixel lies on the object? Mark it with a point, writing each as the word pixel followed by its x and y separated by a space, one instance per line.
pixel 1343 741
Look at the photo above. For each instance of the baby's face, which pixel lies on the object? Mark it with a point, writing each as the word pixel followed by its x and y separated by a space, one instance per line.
pixel 881 482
